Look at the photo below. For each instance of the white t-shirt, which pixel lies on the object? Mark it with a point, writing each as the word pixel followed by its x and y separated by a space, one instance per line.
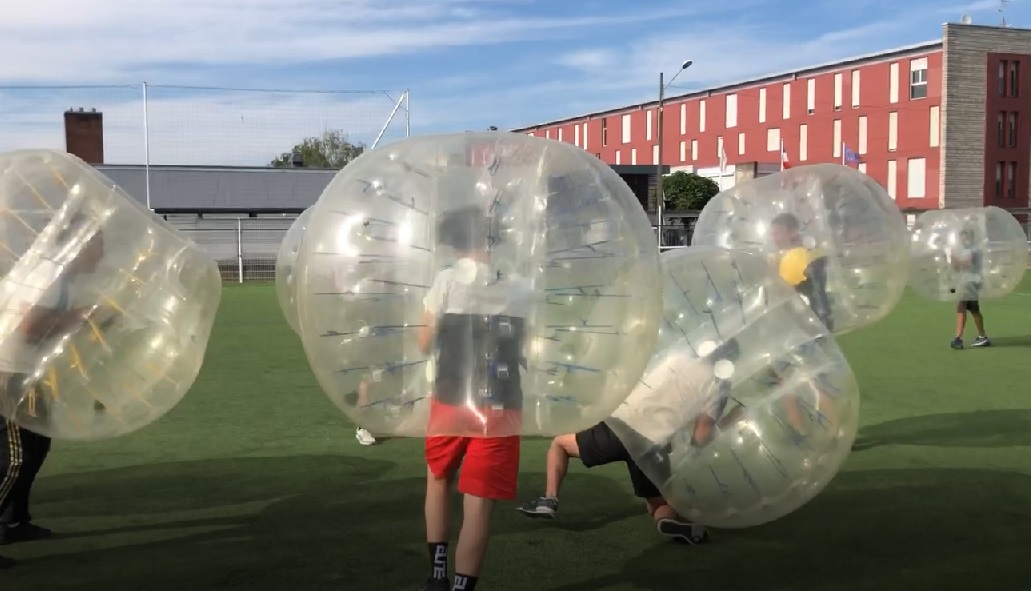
pixel 42 287
pixel 470 287
pixel 673 391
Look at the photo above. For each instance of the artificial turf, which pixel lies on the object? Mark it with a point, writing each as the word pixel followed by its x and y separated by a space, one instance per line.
pixel 256 482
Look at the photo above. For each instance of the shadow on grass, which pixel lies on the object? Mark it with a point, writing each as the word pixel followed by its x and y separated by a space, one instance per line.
pixel 878 529
pixel 986 428
pixel 1015 341
pixel 308 522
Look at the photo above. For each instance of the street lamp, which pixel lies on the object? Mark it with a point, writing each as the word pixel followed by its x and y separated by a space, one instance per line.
pixel 659 193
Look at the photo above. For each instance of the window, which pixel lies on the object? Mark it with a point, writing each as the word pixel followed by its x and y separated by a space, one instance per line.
pixel 893 131
pixel 862 167
pixel 619 156
pixel 560 130
pixel 772 140
pixel 1003 65
pixel 627 128
pixel 649 122
pixel 694 150
pixel 855 89
pixel 605 132
pixel 916 178
pixel 918 78
pixel 786 100
pixel 576 135
pixel 1000 130
pixel 762 105
pixel 731 111
pixel 837 138
pixel 683 118
pixel 803 143
pixel 547 134
pixel 741 143
pixel 1015 78
pixel 1013 130
pixel 839 83
pixel 893 84
pixel 701 116
pixel 1011 179
pixel 655 154
pixel 810 93
pixel 998 179
pixel 936 126
pixel 585 135
pixel 893 179
pixel 633 156
pixel 862 134
pixel 683 151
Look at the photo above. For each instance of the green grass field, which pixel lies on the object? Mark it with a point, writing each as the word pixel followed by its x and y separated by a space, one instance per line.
pixel 256 482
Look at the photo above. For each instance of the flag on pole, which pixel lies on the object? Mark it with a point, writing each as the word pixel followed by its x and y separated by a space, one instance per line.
pixel 723 164
pixel 848 156
pixel 785 163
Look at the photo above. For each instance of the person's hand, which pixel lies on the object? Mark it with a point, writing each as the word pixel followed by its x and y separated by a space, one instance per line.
pixel 105 317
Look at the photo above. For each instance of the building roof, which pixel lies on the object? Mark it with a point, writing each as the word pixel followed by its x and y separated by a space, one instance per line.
pixel 215 188
pixel 774 77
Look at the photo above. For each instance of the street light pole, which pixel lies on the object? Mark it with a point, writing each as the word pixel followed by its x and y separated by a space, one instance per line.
pixel 659 193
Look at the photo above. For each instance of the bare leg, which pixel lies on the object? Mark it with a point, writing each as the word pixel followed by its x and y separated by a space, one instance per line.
pixel 472 541
pixel 979 323
pixel 562 448
pixel 659 509
pixel 437 516
pixel 961 323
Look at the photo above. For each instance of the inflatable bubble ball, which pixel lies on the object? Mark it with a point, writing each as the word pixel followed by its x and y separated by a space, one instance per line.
pixel 498 283
pixel 107 307
pixel 967 254
pixel 286 285
pixel 748 408
pixel 830 231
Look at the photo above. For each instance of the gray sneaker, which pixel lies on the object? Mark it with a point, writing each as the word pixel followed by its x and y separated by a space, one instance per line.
pixel 546 507
pixel 981 342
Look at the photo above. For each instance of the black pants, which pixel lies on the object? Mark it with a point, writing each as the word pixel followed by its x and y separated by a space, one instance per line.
pixel 22 453
pixel 600 446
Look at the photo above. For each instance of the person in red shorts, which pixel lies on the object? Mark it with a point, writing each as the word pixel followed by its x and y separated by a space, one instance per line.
pixel 474 328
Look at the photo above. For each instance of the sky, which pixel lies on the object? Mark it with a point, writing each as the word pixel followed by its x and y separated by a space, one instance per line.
pixel 224 77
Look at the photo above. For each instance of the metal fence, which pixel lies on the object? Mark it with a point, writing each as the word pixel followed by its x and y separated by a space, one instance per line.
pixel 155 124
pixel 246 248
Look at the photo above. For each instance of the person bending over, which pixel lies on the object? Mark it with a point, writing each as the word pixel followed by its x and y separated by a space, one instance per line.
pixel 801 267
pixel 678 391
pixel 473 325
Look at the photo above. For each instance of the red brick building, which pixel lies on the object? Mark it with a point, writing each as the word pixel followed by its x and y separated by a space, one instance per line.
pixel 939 124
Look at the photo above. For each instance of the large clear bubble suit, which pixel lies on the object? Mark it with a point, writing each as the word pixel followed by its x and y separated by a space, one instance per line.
pixel 537 263
pixel 832 232
pixel 748 408
pixel 967 254
pixel 286 281
pixel 73 244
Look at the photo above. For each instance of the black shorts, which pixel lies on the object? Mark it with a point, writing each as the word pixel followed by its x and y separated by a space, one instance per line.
pixel 972 306
pixel 599 446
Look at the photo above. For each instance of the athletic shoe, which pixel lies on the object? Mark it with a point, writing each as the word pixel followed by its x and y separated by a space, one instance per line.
pixel 981 342
pixel 364 437
pixel 540 507
pixel 435 585
pixel 6 562
pixel 23 532
pixel 957 343
pixel 683 531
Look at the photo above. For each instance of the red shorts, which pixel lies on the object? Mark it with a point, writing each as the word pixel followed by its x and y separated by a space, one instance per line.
pixel 489 464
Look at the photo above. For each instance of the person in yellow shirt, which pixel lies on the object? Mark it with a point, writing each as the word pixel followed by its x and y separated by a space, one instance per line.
pixel 803 268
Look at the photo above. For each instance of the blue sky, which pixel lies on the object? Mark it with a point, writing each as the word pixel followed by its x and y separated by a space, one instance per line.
pixel 467 63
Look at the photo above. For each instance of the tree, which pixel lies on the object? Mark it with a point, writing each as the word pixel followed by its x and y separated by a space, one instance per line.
pixel 688 191
pixel 330 150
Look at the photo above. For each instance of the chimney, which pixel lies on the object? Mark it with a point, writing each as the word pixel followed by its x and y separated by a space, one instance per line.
pixel 84 134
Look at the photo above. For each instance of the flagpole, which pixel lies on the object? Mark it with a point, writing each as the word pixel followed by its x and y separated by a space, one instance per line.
pixel 843 148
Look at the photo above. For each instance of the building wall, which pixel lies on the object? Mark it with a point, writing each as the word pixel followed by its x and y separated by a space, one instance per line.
pixel 971 104
pixel 750 122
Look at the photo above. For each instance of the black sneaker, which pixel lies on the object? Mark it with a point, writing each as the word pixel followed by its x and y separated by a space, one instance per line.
pixel 546 507
pixel 435 585
pixel 683 531
pixel 957 343
pixel 6 562
pixel 23 532
pixel 981 342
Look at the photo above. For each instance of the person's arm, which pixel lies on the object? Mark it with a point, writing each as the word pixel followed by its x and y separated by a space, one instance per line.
pixel 433 308
pixel 427 332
